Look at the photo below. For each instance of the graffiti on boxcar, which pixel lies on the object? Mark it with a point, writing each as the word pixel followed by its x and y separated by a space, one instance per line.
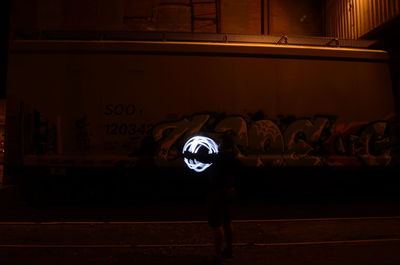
pixel 286 141
pixel 262 141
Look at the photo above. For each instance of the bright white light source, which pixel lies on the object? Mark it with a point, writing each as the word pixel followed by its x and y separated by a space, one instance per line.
pixel 193 145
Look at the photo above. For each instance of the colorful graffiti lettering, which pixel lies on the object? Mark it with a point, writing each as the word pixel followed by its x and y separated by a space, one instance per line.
pixel 313 141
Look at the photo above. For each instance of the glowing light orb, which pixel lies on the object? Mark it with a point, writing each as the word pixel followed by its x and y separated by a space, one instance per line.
pixel 193 145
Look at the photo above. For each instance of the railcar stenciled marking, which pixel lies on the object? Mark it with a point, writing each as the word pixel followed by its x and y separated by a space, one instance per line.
pixel 193 145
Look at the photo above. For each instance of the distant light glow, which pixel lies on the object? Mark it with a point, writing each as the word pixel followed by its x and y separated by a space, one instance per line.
pixel 193 145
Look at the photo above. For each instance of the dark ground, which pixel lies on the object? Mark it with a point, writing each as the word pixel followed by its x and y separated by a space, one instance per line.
pixel 294 219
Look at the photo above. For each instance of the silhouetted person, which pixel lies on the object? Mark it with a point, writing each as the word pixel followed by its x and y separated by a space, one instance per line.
pixel 221 191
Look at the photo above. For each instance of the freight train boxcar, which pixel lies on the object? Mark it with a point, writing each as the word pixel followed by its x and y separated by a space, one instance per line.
pixel 97 103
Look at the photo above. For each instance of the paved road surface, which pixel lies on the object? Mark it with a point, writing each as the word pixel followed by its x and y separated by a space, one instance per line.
pixel 13 208
pixel 304 234
pixel 291 241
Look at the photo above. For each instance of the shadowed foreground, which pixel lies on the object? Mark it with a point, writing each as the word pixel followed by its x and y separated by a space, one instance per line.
pixel 287 241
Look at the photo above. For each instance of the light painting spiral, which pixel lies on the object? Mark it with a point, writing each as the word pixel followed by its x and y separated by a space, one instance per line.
pixel 193 145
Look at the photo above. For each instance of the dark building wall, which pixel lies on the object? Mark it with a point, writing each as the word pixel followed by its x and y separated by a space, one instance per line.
pixel 375 20
pixel 291 17
pixel 158 15
pixel 137 15
pixel 176 15
pixel 278 17
pixel 4 35
pixel 352 19
pixel 241 16
pixel 275 17
pixel 67 15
